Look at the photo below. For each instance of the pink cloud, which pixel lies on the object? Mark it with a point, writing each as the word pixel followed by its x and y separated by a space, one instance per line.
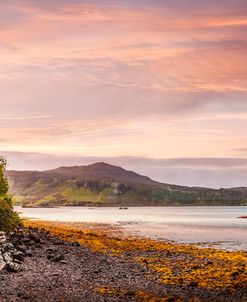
pixel 121 75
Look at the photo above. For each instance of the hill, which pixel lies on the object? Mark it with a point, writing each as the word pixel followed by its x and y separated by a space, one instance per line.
pixel 102 184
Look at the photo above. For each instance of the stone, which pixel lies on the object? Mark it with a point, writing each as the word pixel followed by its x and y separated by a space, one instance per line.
pixel 26 240
pixel 130 293
pixel 28 253
pixel 234 274
pixel 21 231
pixel 170 299
pixel 76 244
pixel 18 255
pixel 2 265
pixel 8 247
pixel 22 248
pixel 193 284
pixel 2 239
pixel 17 261
pixel 35 238
pixel 55 257
pixel 13 267
pixel 7 257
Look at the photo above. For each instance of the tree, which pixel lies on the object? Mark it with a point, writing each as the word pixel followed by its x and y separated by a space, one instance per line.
pixel 8 217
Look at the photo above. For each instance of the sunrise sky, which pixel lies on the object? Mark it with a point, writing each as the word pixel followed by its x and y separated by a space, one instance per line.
pixel 158 87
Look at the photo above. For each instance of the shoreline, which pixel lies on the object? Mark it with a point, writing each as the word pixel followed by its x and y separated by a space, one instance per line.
pixel 182 266
pixel 76 262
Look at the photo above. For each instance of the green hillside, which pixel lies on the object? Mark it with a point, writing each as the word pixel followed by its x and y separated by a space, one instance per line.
pixel 101 184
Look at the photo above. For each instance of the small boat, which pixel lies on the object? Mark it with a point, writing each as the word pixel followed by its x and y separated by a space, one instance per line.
pixel 243 217
pixel 123 208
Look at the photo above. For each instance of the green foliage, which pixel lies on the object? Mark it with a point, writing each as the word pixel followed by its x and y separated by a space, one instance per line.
pixel 8 217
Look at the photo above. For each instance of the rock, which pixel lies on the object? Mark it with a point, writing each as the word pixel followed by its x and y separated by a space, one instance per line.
pixel 130 293
pixel 35 238
pixel 18 255
pixel 2 264
pixel 7 257
pixel 16 242
pixel 28 253
pixel 234 274
pixel 22 248
pixel 55 257
pixel 17 261
pixel 13 267
pixel 2 238
pixel 26 240
pixel 193 284
pixel 76 244
pixel 170 299
pixel 8 247
pixel 58 258
pixel 23 295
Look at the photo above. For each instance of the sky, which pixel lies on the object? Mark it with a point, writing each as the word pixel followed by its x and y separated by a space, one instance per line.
pixel 158 87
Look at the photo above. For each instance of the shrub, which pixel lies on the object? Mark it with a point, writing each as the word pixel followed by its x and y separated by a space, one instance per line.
pixel 9 219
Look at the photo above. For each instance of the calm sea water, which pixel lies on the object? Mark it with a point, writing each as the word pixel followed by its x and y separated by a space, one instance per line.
pixel 209 226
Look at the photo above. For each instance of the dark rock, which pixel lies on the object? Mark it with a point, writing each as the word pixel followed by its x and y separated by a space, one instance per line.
pixel 193 284
pixel 26 240
pixel 21 231
pixel 18 255
pixel 55 257
pixel 35 238
pixel 234 274
pixel 23 295
pixel 50 256
pixel 170 299
pixel 130 293
pixel 22 248
pixel 28 253
pixel 13 267
pixel 76 244
pixel 16 242
pixel 17 261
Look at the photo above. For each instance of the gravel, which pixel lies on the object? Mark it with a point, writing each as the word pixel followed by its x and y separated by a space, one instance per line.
pixel 39 267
